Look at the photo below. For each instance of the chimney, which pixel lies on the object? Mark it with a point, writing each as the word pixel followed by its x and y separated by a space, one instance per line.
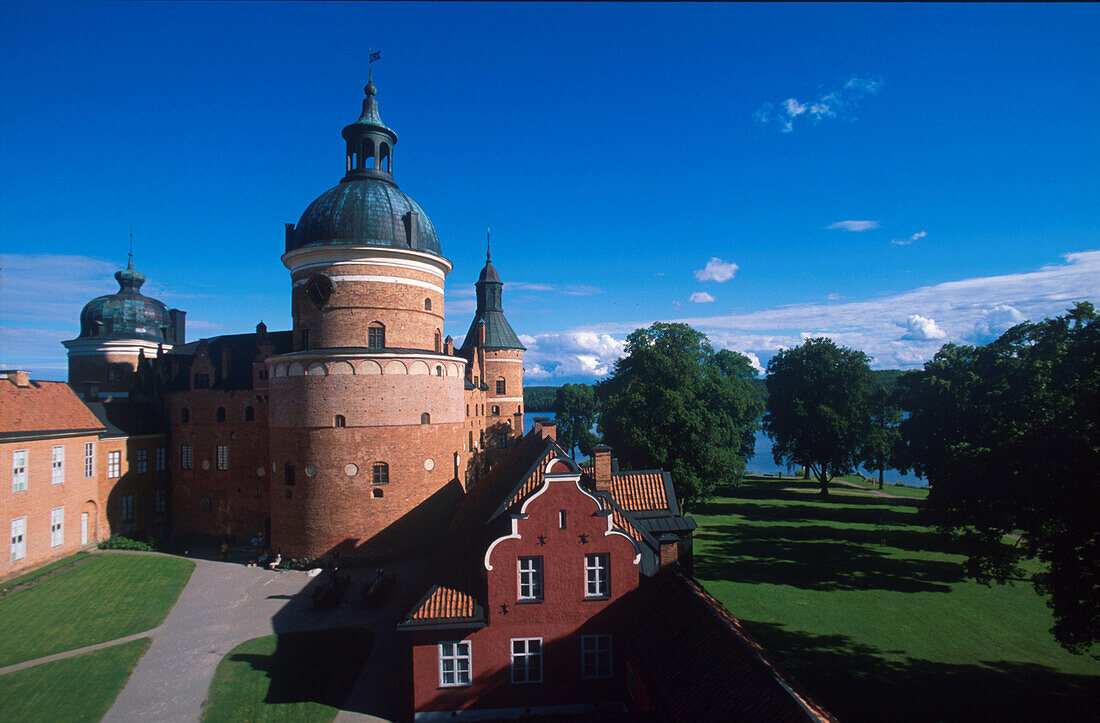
pixel 669 553
pixel 546 428
pixel 18 377
pixel 481 334
pixel 601 467
pixel 178 323
pixel 449 345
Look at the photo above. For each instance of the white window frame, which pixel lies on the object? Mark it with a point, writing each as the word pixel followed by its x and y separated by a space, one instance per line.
pixel 597 576
pixel 57 465
pixel 162 459
pixel 187 456
pixel 529 579
pixel 141 461
pixel 57 527
pixel 19 470
pixel 595 656
pixel 221 457
pixel 18 538
pixel 114 464
pixel 89 460
pixel 458 656
pixel 128 508
pixel 525 658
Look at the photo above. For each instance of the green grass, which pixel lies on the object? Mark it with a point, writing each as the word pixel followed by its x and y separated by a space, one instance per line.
pixel 106 597
pixel 303 676
pixel 44 570
pixel 74 689
pixel 868 608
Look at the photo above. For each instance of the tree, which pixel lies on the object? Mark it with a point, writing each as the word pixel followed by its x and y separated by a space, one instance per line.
pixel 575 412
pixel 881 446
pixel 817 411
pixel 674 403
pixel 1008 436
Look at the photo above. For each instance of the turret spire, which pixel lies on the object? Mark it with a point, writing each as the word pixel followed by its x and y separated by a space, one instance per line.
pixel 488 246
pixel 369 141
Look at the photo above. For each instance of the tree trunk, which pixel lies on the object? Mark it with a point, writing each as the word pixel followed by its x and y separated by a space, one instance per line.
pixel 823 478
pixel 880 471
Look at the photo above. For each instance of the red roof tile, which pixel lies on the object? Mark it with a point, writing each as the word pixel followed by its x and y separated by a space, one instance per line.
pixel 46 407
pixel 635 491
pixel 444 603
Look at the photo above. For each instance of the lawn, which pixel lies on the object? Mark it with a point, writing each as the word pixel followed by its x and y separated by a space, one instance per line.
pixel 301 676
pixel 869 609
pixel 74 689
pixel 102 598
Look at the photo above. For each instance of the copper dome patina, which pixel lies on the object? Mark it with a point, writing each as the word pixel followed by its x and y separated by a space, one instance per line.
pixel 126 314
pixel 366 208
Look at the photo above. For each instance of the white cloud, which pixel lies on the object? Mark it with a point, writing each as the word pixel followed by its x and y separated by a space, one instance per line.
pixel 567 289
pixel 833 104
pixel 577 353
pixel 701 297
pixel 906 241
pixel 994 322
pixel 717 270
pixel 918 328
pixel 853 225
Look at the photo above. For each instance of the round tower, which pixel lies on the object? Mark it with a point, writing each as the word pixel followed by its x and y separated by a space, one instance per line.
pixel 115 330
pixel 366 413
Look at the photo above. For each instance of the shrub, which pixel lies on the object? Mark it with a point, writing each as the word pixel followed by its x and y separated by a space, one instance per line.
pixel 125 543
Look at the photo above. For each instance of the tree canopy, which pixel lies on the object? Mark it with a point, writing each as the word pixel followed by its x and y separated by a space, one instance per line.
pixel 575 412
pixel 881 447
pixel 817 409
pixel 1008 436
pixel 674 403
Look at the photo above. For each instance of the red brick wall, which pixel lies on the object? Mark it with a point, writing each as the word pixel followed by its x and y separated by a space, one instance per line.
pixel 84 369
pixel 560 619
pixel 146 522
pixel 76 494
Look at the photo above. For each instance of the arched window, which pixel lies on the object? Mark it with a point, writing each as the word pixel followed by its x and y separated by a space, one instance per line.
pixel 496 411
pixel 502 386
pixel 376 494
pixel 376 335
pixel 427 304
pixel 339 421
pixel 439 371
pixel 249 414
pixel 185 415
pixel 425 418
pixel 204 505
pixel 221 414
pixel 380 473
pixel 438 342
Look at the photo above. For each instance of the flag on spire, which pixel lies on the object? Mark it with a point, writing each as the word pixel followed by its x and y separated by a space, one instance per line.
pixel 375 55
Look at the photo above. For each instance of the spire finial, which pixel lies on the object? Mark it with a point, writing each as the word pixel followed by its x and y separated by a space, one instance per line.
pixel 130 262
pixel 372 55
pixel 488 245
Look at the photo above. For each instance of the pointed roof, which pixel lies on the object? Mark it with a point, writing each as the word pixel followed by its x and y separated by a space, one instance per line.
pixel 490 311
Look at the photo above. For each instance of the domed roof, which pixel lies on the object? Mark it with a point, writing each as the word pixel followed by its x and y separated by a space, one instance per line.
pixel 365 212
pixel 126 314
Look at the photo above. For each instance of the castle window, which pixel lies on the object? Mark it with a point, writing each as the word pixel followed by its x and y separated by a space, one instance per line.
pixel 455 663
pixel 529 578
pixel 526 660
pixel 427 304
pixel 380 474
pixel 160 500
pixel 596 569
pixel 376 494
pixel 89 460
pixel 114 464
pixel 249 414
pixel 595 656
pixel 221 414
pixel 186 456
pixel 222 457
pixel 502 441
pixel 204 505
pixel 202 381
pixel 141 461
pixel 438 342
pixel 439 371
pixel 561 519
pixel 57 465
pixel 305 338
pixel 339 421
pixel 185 415
pixel 127 508
pixel 162 459
pixel 288 475
pixel 501 385
pixel 18 538
pixel 471 441
pixel 425 418
pixel 57 527
pixel 376 336
pixel 495 410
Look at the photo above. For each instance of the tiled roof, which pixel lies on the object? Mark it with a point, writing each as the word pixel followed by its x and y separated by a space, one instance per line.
pixel 699 663
pixel 43 407
pixel 445 603
pixel 243 349
pixel 638 491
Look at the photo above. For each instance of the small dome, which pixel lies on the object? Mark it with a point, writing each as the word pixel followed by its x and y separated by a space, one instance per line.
pixel 365 212
pixel 127 314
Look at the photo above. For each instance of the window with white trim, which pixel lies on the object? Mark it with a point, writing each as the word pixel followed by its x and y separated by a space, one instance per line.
pixel 57 527
pixel 455 664
pixel 114 464
pixel 186 456
pixel 162 459
pixel 18 538
pixel 19 470
pixel 596 575
pixel 526 660
pixel 595 656
pixel 57 465
pixel 89 460
pixel 141 461
pixel 223 456
pixel 127 508
pixel 529 578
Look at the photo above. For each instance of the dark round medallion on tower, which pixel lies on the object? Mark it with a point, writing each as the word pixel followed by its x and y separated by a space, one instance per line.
pixel 319 289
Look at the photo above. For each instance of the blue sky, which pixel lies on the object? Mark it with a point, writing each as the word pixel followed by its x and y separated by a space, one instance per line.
pixel 893 176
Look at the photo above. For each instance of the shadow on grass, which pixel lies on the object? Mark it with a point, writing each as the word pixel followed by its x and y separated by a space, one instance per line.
pixel 859 682
pixel 319 666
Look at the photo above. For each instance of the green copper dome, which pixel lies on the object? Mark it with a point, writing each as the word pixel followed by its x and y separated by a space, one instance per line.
pixel 126 314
